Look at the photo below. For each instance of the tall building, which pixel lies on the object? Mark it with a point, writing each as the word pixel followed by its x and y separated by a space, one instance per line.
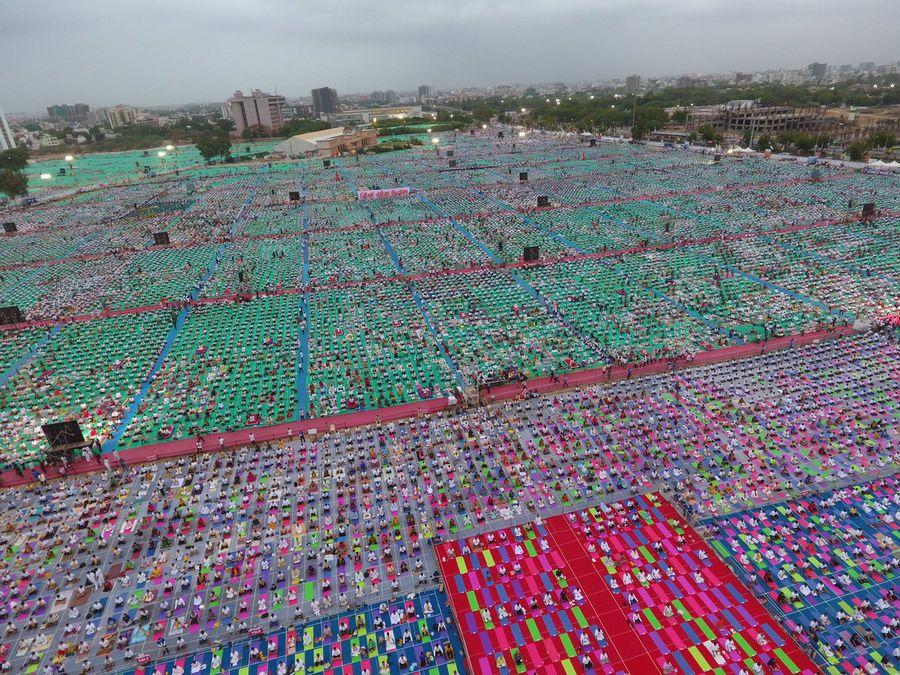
pixel 388 97
pixel 70 113
pixel 632 83
pixel 7 142
pixel 325 100
pixel 817 70
pixel 425 91
pixel 121 116
pixel 257 110
pixel 98 116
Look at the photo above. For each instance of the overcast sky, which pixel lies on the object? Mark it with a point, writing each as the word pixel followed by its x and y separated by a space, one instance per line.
pixel 103 52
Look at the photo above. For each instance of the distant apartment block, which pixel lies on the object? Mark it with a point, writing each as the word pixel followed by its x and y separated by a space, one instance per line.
pixel 121 116
pixel 259 109
pixel 424 92
pixel 632 83
pixel 325 100
pixel 77 112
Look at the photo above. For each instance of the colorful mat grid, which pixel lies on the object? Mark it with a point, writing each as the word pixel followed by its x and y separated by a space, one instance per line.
pixel 827 567
pixel 626 587
pixel 414 635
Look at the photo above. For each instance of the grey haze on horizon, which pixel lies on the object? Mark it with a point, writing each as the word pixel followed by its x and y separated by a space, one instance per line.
pixel 102 52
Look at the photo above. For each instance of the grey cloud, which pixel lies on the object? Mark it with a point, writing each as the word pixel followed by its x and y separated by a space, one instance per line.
pixel 168 51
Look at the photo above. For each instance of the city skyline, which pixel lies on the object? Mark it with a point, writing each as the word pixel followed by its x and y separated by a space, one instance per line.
pixel 646 82
pixel 572 41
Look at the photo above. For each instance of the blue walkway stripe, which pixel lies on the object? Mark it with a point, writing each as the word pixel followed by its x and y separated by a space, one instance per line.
pixel 536 295
pixel 847 316
pixel 302 381
pixel 174 332
pixel 421 303
pixel 426 314
pixel 239 218
pixel 554 235
pixel 462 230
pixel 546 230
pixel 626 226
pixel 113 442
pixel 825 260
pixel 683 308
pixel 17 365
pixel 390 249
pixel 693 313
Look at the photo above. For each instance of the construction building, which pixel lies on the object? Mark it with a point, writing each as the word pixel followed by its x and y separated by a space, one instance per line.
pixel 748 116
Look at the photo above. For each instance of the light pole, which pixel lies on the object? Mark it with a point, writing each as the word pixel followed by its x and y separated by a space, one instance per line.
pixel 634 109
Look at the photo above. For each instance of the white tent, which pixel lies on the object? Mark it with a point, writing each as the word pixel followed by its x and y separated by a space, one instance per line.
pixel 302 145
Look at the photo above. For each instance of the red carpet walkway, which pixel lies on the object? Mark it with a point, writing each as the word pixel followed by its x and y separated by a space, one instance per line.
pixel 402 278
pixel 210 442
pixel 366 224
pixel 629 588
pixel 582 378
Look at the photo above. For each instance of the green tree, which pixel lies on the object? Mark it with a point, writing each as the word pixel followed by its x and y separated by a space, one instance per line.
pixel 764 142
pixel 302 126
pixel 857 150
pixel 708 133
pixel 639 130
pixel 785 138
pixel 804 142
pixel 213 144
pixel 882 139
pixel 13 183
pixel 483 113
pixel 225 124
pixel 14 160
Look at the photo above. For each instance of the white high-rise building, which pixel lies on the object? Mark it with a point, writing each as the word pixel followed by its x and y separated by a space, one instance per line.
pixel 7 142
pixel 259 109
pixel 121 116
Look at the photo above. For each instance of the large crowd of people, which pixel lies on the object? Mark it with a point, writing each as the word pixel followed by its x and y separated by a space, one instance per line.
pixel 643 255
pixel 272 536
pixel 828 564
pixel 316 553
